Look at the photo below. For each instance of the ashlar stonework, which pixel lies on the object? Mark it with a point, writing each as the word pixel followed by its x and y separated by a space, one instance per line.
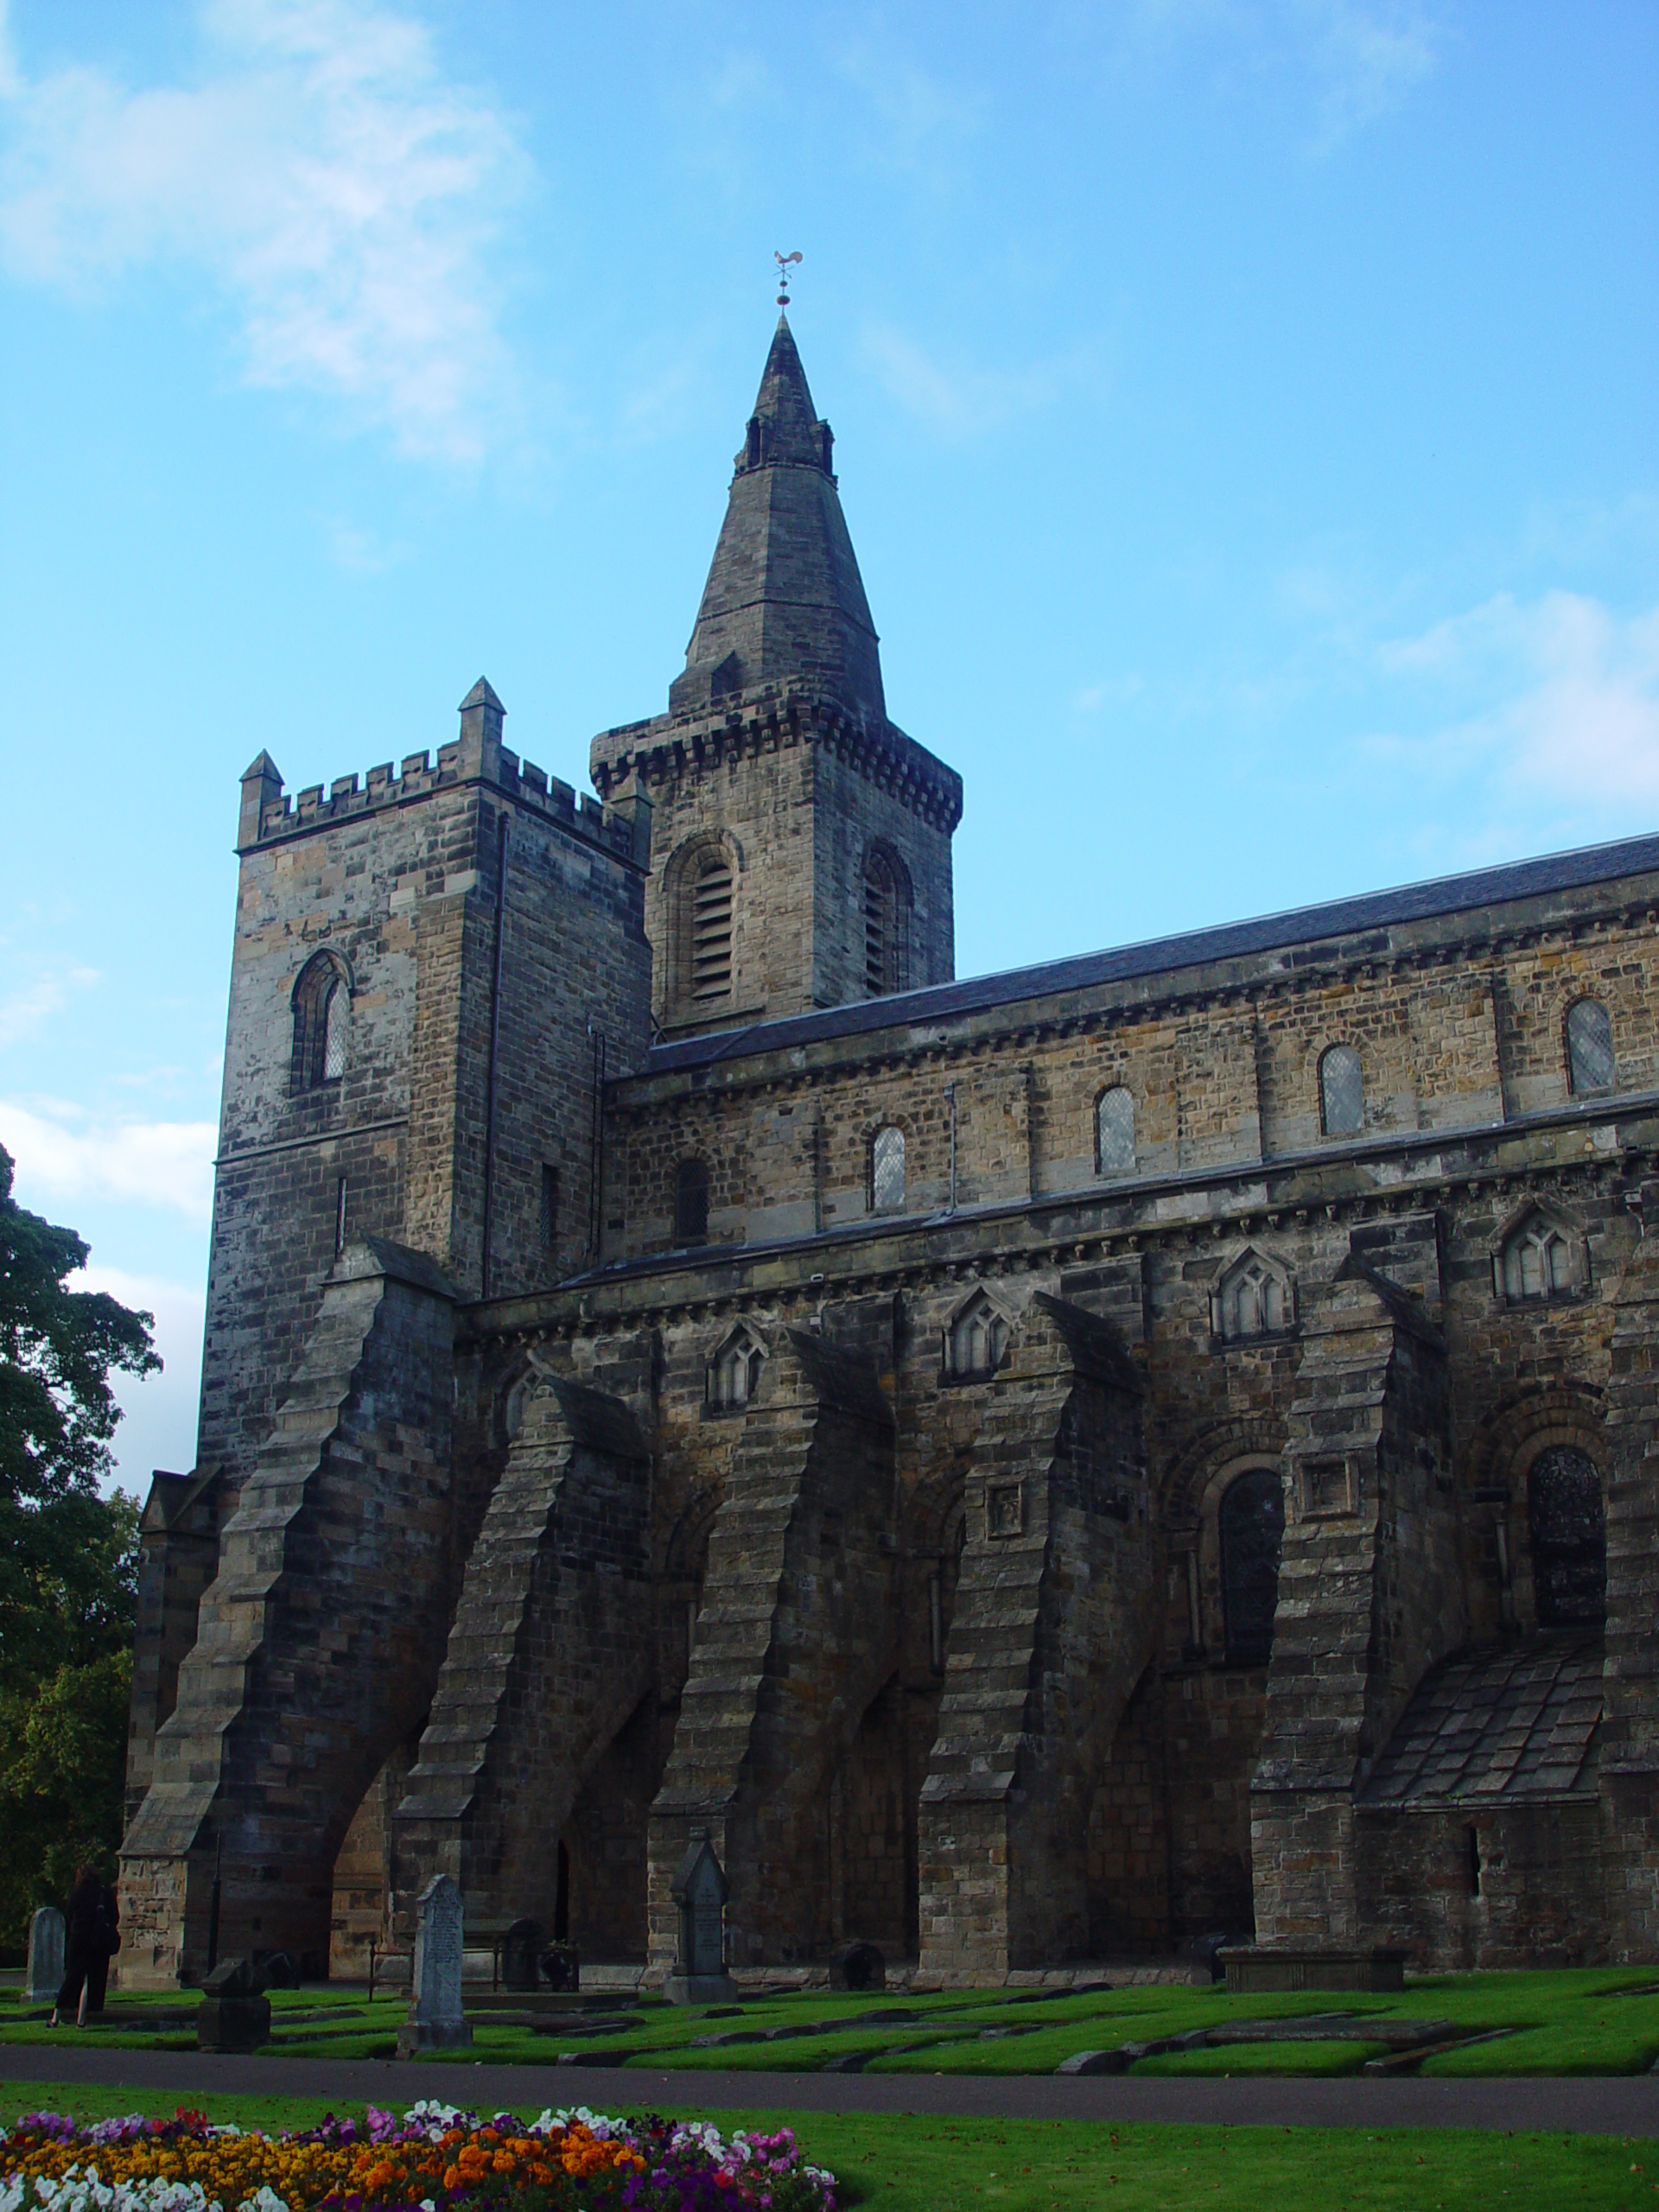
pixel 1159 1446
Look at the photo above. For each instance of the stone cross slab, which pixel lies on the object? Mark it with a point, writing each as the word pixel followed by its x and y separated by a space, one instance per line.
pixel 435 2021
pixel 45 1954
pixel 700 1890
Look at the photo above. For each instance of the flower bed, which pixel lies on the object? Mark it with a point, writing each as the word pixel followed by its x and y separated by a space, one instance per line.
pixel 435 2159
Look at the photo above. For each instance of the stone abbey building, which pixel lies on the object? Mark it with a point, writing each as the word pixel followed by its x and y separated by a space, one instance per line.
pixel 1038 1469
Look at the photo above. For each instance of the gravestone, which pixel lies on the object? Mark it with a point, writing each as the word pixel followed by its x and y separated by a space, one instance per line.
pixel 435 2021
pixel 45 1956
pixel 234 2013
pixel 700 1890
pixel 521 1947
pixel 859 1965
pixel 562 1968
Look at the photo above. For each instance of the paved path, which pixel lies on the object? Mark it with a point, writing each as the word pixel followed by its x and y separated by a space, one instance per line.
pixel 1624 2104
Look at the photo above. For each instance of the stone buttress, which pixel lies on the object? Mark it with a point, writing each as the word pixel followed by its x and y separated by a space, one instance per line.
pixel 1053 1629
pixel 548 1658
pixel 1370 1594
pixel 1629 1748
pixel 319 1640
pixel 794 1638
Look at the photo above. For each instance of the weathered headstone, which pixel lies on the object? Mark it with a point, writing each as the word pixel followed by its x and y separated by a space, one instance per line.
pixel 521 1947
pixel 700 1890
pixel 435 2021
pixel 234 2013
pixel 860 1965
pixel 45 1954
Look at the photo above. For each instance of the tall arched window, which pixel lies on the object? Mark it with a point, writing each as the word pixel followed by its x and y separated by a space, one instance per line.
pixel 1251 1525
pixel 887 1171
pixel 1589 1045
pixel 1342 1092
pixel 710 891
pixel 1569 1538
pixel 1115 1133
pixel 885 927
pixel 691 1203
pixel 322 1014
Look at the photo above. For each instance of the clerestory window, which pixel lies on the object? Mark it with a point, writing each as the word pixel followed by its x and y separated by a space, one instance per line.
pixel 887 1171
pixel 1589 1046
pixel 1342 1092
pixel 691 1203
pixel 1115 1133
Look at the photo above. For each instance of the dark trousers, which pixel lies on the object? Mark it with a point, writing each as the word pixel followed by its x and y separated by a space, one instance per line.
pixel 88 1967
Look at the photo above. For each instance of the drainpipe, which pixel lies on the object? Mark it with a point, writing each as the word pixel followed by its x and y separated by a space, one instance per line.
pixel 951 1093
pixel 596 1160
pixel 495 1043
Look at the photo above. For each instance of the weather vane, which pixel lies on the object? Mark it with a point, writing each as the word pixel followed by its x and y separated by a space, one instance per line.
pixel 783 260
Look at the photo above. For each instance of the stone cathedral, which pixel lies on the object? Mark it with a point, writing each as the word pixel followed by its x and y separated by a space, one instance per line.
pixel 1038 1469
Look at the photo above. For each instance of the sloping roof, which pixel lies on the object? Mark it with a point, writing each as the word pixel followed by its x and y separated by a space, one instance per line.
pixel 1498 1726
pixel 1367 918
pixel 783 597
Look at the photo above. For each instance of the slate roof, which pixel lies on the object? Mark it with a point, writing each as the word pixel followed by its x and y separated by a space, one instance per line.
pixel 1367 919
pixel 783 597
pixel 1497 1726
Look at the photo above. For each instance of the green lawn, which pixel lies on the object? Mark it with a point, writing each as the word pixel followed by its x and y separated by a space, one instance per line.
pixel 909 2164
pixel 1593 2020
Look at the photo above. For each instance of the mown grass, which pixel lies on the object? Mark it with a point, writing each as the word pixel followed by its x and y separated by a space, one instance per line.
pixel 1593 2020
pixel 907 2164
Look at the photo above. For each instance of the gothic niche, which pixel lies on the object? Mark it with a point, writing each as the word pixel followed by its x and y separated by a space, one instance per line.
pixel 975 1338
pixel 1541 1255
pixel 1569 1539
pixel 1255 1298
pixel 735 1370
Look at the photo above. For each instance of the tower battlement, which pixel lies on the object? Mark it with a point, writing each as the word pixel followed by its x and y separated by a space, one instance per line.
pixel 270 815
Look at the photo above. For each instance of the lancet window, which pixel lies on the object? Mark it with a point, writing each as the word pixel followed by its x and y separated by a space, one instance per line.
pixel 322 1014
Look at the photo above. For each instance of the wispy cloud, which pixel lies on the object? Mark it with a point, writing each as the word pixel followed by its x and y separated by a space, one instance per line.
pixel 1356 60
pixel 25 1006
pixel 1366 59
pixel 63 1154
pixel 1560 693
pixel 336 189
pixel 959 399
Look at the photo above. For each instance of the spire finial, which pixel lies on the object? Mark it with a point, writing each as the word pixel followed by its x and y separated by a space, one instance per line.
pixel 783 260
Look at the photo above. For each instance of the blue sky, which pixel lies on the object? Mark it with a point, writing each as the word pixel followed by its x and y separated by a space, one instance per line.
pixel 1244 412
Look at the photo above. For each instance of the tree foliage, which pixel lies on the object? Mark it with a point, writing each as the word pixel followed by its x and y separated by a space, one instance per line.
pixel 68 1563
pixel 57 1349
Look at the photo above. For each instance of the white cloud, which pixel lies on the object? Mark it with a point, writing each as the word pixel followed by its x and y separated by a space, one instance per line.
pixel 158 1425
pixel 1367 57
pixel 1566 694
pixel 26 1006
pixel 166 1164
pixel 959 400
pixel 323 173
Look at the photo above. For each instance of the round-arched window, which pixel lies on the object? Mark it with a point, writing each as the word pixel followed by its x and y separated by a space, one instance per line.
pixel 1569 1538
pixel 1342 1092
pixel 1252 1529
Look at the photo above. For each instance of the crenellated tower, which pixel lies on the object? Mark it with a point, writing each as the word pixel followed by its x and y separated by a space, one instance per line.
pixel 802 846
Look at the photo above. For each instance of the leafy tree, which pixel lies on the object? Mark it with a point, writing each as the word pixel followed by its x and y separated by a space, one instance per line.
pixel 57 1347
pixel 68 1562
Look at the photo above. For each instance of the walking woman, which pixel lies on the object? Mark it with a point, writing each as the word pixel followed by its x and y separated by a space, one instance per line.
pixel 91 1936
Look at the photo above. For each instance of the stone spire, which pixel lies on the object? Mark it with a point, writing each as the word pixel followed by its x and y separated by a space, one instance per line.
pixel 784 599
